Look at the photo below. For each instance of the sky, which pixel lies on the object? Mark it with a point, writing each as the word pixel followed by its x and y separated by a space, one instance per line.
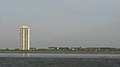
pixel 61 23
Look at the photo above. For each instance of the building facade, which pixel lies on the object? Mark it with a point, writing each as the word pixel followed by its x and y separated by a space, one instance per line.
pixel 24 38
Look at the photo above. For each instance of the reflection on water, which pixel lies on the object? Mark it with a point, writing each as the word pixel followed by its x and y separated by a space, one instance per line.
pixel 58 60
pixel 41 55
pixel 25 54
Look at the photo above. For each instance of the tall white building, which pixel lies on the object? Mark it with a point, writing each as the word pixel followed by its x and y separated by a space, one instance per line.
pixel 24 38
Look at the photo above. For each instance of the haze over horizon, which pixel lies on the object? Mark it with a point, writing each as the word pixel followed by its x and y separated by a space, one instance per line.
pixel 71 23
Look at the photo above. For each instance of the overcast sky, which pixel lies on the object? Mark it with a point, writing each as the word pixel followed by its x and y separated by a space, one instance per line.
pixel 61 23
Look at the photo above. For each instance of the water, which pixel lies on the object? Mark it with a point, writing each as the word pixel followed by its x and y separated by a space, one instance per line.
pixel 58 60
pixel 51 55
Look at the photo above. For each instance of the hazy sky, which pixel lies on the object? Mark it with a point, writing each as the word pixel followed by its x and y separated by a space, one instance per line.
pixel 72 23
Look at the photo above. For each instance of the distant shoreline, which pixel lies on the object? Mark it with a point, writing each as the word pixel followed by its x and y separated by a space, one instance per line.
pixel 64 51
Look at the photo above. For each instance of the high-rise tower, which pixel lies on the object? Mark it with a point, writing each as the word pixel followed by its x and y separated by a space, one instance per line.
pixel 24 38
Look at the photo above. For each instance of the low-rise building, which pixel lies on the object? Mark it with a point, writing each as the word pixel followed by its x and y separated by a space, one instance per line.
pixel 76 48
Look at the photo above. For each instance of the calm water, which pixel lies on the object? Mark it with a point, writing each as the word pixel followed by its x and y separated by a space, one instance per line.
pixel 59 60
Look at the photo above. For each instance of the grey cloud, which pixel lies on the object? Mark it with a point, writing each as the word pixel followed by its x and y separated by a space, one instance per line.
pixel 0 21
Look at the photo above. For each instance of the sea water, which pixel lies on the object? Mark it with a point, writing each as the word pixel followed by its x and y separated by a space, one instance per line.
pixel 58 60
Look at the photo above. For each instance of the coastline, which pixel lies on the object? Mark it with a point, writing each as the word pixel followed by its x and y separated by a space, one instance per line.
pixel 64 51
